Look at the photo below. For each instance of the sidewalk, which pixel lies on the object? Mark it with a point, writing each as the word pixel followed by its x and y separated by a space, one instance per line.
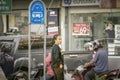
pixel 2 76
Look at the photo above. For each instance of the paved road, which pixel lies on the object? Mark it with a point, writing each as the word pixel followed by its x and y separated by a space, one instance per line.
pixel 71 60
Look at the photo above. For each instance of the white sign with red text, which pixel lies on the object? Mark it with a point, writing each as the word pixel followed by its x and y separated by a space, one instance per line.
pixel 81 29
pixel 52 30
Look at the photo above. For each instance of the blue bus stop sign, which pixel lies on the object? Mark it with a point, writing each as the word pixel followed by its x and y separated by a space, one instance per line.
pixel 37 12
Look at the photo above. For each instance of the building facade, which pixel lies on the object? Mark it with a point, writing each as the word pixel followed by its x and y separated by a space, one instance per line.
pixel 86 20
pixel 78 21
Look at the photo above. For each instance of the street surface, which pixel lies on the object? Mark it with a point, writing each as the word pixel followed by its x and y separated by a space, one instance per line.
pixel 71 60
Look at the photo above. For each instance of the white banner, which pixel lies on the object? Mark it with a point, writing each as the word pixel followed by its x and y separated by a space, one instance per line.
pixel 52 30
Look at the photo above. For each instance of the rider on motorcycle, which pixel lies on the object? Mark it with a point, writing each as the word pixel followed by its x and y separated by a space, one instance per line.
pixel 100 62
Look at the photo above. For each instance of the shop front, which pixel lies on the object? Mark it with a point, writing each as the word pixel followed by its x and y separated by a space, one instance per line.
pixel 87 24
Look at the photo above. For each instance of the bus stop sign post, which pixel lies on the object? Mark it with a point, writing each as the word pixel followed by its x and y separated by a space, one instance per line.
pixel 37 16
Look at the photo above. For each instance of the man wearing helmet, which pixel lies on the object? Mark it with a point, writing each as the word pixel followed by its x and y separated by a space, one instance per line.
pixel 90 47
pixel 100 62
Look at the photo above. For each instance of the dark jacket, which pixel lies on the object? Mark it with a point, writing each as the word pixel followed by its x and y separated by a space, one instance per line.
pixel 8 66
pixel 56 56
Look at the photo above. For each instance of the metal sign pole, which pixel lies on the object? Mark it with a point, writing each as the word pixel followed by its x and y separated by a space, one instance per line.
pixel 29 52
pixel 45 42
pixel 45 52
pixel 37 14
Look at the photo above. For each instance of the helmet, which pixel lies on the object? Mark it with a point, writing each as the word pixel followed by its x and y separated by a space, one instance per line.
pixel 97 44
pixel 6 48
pixel 93 45
pixel 89 46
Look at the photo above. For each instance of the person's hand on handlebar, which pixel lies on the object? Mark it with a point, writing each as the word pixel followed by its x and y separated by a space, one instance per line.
pixel 86 65
pixel 89 64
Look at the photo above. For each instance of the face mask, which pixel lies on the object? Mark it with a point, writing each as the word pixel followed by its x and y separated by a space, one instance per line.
pixel 90 48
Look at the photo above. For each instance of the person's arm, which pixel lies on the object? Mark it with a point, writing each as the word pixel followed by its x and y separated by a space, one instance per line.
pixel 89 64
pixel 92 62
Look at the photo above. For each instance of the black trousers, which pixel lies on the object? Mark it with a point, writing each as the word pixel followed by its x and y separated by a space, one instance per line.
pixel 58 74
pixel 90 75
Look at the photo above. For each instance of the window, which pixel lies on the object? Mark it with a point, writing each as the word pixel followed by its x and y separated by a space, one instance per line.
pixel 88 27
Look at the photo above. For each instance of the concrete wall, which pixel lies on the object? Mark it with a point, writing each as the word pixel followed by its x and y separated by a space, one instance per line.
pixel 24 4
pixel 1 25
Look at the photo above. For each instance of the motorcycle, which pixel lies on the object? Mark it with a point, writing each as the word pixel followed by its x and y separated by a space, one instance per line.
pixel 79 74
pixel 37 72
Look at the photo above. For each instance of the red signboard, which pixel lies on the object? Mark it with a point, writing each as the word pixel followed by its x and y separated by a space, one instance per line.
pixel 81 29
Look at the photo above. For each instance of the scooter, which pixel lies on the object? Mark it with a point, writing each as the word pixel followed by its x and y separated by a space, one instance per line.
pixel 79 74
pixel 37 72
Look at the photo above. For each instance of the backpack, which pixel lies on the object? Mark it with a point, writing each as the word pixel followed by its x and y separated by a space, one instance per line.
pixel 49 65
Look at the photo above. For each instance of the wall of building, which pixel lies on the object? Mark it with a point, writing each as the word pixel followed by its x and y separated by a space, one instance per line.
pixel 20 13
pixel 24 4
pixel 1 25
